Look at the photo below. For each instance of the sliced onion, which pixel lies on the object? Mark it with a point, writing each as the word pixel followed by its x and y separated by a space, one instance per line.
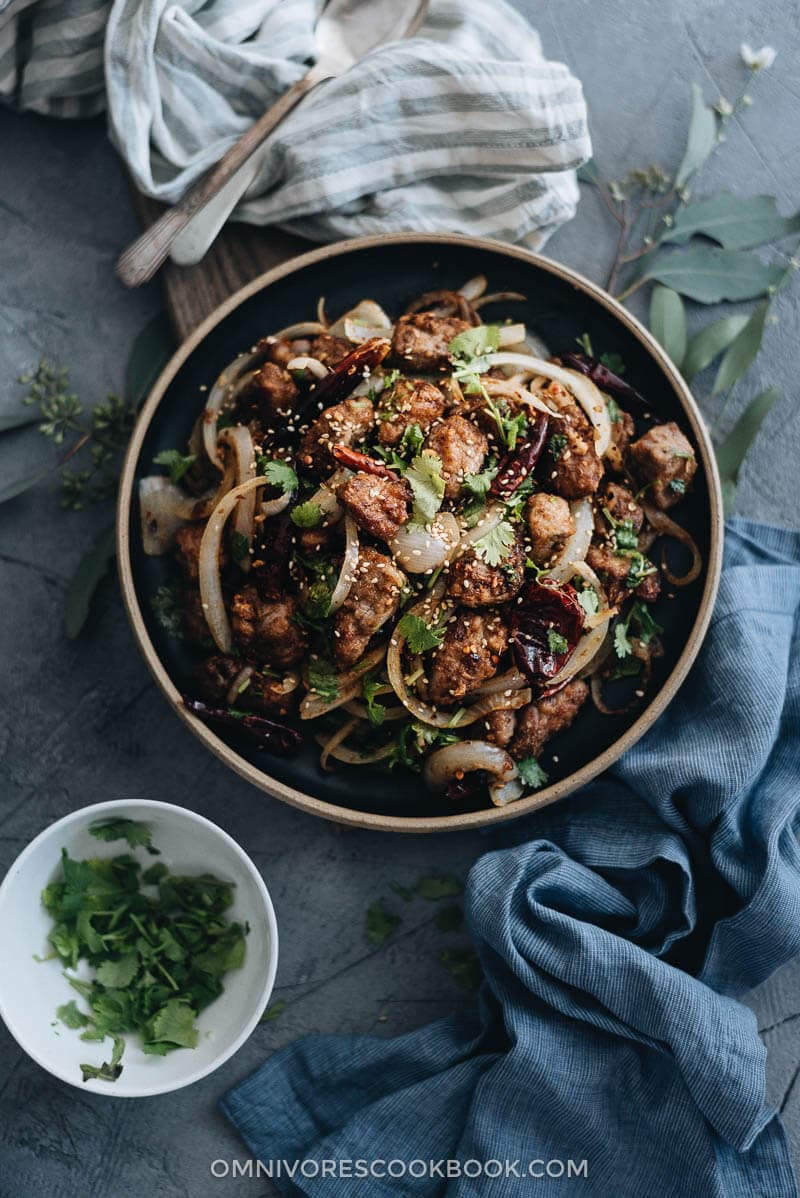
pixel 366 320
pixel 361 710
pixel 302 328
pixel 336 739
pixel 498 297
pixel 421 550
pixel 312 365
pixel 322 315
pixel 453 761
pixel 511 334
pixel 238 684
pixel 347 573
pixel 163 508
pixel 666 527
pixel 241 442
pixel 325 495
pixel 513 389
pixel 235 376
pixel 356 756
pixel 509 680
pixel 210 582
pixel 271 507
pixel 592 641
pixel 584 390
pixel 349 685
pixel 474 288
pixel 577 546
pixel 491 517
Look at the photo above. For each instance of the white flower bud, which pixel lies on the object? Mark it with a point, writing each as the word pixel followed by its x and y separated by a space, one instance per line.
pixel 757 60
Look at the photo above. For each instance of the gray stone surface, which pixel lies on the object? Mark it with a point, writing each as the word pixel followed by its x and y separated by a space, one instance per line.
pixel 81 720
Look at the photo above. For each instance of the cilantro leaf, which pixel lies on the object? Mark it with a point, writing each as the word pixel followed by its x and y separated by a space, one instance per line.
pixel 134 831
pixel 177 463
pixel 376 712
pixel 413 439
pixel 70 1016
pixel 478 484
pixel 109 1071
pixel 589 600
pixel 427 485
pixel 495 546
pixel 557 444
pixel 556 642
pixel 613 362
pixel 475 342
pixel 174 1024
pixel 614 410
pixel 381 924
pixel 677 485
pixel 116 975
pixel 323 679
pixel 531 772
pixel 649 628
pixel 307 515
pixel 279 474
pixel 622 645
pixel 419 636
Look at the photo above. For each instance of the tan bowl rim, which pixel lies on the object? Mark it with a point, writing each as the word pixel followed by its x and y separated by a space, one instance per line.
pixel 465 820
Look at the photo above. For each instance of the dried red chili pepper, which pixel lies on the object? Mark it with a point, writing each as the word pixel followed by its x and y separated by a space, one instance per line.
pixel 345 377
pixel 267 734
pixel 516 466
pixel 546 610
pixel 601 376
pixel 361 462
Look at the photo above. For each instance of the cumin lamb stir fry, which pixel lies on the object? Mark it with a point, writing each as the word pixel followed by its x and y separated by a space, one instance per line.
pixel 425 538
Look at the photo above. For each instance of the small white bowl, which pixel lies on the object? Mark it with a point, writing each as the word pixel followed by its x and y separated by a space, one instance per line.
pixel 31 990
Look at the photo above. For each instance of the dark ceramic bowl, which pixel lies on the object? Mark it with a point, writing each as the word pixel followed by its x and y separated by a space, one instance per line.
pixel 393 270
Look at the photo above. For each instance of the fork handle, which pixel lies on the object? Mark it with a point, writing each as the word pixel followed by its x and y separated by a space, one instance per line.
pixel 141 260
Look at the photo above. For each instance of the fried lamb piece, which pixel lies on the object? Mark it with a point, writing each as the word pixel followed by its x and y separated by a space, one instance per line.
pixel 571 466
pixel 472 582
pixel 268 629
pixel 420 342
pixel 269 396
pixel 378 505
pixel 664 462
pixel 373 599
pixel 347 423
pixel 329 350
pixel 540 721
pixel 461 448
pixel 620 503
pixel 409 401
pixel 500 726
pixel 469 655
pixel 187 551
pixel 550 523
pixel 261 693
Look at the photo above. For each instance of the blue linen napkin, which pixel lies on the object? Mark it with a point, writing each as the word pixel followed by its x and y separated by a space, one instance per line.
pixel 615 931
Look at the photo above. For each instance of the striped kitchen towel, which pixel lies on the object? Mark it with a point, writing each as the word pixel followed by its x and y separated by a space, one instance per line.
pixel 465 128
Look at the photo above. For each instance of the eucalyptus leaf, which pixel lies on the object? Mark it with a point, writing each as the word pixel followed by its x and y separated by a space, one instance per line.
pixel 19 486
pixel 701 139
pixel 19 418
pixel 587 172
pixel 152 348
pixel 668 322
pixel 741 353
pixel 736 222
pixel 733 450
pixel 708 274
pixel 92 568
pixel 704 347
